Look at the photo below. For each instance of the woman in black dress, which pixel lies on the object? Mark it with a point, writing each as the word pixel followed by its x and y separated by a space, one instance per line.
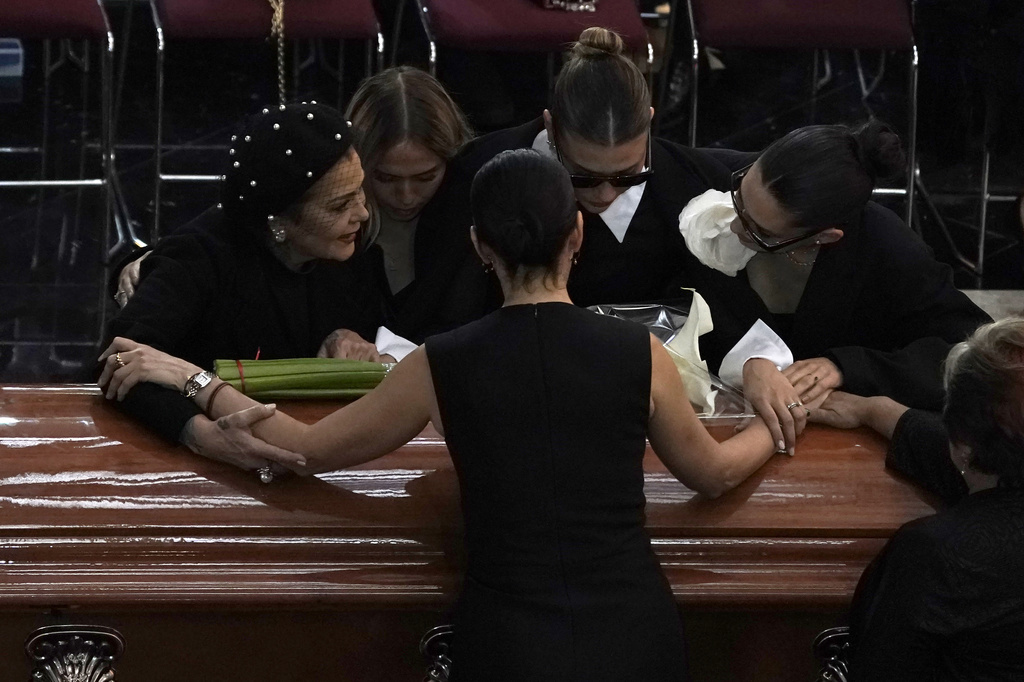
pixel 546 409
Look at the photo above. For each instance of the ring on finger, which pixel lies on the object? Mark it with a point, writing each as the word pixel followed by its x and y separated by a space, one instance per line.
pixel 119 361
pixel 792 405
pixel 266 474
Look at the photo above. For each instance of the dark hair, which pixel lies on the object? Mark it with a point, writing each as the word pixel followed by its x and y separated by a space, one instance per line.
pixel 600 95
pixel 276 157
pixel 824 175
pixel 985 399
pixel 404 103
pixel 523 208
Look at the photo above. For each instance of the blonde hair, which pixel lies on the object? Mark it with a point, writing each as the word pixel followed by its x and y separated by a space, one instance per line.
pixel 404 103
pixel 985 398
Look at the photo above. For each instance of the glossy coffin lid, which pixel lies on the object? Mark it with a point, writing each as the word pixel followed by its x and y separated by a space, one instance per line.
pixel 95 511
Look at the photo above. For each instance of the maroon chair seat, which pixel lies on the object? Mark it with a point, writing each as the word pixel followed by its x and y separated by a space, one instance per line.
pixel 812 24
pixel 338 19
pixel 524 26
pixel 41 19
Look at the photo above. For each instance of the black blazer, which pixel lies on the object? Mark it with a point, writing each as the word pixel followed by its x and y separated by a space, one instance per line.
pixel 451 287
pixel 207 293
pixel 877 304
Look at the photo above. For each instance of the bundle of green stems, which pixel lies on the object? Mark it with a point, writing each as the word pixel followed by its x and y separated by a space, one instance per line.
pixel 302 378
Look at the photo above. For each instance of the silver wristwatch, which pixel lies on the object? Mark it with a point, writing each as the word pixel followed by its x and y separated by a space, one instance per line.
pixel 195 382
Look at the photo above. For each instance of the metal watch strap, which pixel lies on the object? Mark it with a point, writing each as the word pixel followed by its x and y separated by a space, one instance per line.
pixel 195 382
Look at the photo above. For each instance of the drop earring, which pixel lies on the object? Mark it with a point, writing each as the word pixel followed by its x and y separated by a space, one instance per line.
pixel 576 258
pixel 276 230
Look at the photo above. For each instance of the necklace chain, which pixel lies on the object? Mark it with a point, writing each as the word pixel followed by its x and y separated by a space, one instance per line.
pixel 792 259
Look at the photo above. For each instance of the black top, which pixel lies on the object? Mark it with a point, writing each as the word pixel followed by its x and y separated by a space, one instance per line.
pixel 209 294
pixel 877 303
pixel 545 411
pixel 945 598
pixel 451 287
pixel 920 451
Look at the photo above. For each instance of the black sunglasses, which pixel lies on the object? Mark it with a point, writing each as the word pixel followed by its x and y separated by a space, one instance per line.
pixel 753 230
pixel 582 181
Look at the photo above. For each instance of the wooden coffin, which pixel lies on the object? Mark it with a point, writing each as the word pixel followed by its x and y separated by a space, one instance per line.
pixel 211 575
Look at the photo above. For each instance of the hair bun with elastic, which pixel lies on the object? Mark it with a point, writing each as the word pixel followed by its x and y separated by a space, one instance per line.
pixel 598 42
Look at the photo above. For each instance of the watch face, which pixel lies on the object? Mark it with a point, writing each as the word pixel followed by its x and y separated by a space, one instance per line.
pixel 204 378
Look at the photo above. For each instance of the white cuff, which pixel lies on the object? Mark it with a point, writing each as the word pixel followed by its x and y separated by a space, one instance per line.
pixel 760 341
pixel 390 343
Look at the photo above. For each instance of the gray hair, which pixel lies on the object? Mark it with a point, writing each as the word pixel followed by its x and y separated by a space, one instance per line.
pixel 984 409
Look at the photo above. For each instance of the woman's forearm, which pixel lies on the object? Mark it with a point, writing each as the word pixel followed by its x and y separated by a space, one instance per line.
pixel 882 414
pixel 279 429
pixel 743 454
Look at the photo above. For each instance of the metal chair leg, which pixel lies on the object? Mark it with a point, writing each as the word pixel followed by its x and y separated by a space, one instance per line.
pixel 424 21
pixel 912 139
pixel 396 34
pixel 158 148
pixel 48 68
pixel 695 72
pixel 380 50
pixel 85 65
pixel 666 61
pixel 986 163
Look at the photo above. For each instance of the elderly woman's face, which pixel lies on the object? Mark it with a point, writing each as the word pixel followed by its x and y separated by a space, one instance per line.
pixel 331 214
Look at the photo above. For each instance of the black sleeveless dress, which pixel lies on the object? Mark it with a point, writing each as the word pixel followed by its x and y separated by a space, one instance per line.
pixel 545 411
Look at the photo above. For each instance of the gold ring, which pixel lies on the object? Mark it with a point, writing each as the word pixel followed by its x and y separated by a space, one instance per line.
pixel 118 360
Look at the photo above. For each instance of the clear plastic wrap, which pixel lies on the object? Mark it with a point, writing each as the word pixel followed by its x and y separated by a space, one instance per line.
pixel 665 321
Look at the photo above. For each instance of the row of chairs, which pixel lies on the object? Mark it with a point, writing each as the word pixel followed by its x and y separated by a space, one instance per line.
pixel 510 25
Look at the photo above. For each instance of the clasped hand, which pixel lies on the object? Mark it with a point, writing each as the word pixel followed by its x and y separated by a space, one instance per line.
pixel 344 343
pixel 784 399
pixel 127 363
pixel 228 439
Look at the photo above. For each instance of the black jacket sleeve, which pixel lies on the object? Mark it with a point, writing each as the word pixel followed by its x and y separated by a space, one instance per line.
pixel 920 451
pixel 925 316
pixel 168 306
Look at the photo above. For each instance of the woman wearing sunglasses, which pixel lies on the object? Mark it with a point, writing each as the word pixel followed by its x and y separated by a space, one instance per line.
pixel 851 290
pixel 629 186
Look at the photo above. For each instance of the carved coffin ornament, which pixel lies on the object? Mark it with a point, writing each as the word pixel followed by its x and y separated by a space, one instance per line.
pixel 74 653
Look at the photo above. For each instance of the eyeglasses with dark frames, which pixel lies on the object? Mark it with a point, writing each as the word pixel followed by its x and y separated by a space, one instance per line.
pixel 586 181
pixel 753 230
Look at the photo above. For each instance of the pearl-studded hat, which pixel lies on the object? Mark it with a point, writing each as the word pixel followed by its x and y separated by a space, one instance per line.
pixel 277 156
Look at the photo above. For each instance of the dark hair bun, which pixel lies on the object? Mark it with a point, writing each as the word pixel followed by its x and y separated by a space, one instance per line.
pixel 880 151
pixel 523 208
pixel 597 42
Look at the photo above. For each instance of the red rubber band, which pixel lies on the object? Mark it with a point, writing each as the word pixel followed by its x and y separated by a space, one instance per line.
pixel 241 374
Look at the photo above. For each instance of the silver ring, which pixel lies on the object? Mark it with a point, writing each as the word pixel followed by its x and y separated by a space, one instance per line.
pixel 266 475
pixel 118 360
pixel 119 296
pixel 792 405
